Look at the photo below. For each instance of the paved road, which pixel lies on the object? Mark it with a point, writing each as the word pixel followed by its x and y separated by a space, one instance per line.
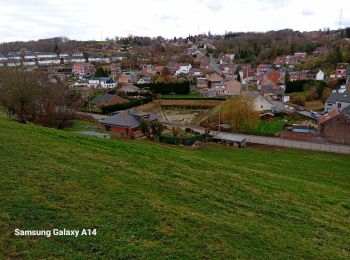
pixel 94 116
pixel 334 148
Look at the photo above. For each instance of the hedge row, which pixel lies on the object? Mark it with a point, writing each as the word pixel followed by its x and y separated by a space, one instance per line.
pixel 181 140
pixel 168 88
pixel 192 98
pixel 134 103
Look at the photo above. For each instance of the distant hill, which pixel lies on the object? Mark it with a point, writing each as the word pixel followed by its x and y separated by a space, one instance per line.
pixel 153 201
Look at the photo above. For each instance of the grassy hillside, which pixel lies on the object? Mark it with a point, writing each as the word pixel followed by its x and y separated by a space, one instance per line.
pixel 154 201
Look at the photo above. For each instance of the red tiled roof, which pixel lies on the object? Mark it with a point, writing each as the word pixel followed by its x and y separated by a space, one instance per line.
pixel 329 116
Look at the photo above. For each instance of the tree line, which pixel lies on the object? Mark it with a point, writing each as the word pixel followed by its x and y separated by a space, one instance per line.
pixel 179 88
pixel 32 97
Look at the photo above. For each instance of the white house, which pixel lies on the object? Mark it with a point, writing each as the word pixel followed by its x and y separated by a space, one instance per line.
pixel 260 103
pixel 77 58
pixel 46 55
pixel 29 55
pixel 98 58
pixel 29 63
pixel 102 83
pixel 2 57
pixel 13 63
pixel 49 61
pixel 184 68
pixel 14 55
pixel 320 75
pixel 64 55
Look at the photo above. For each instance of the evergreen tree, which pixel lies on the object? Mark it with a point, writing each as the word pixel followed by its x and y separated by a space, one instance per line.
pixel 56 49
pixel 100 72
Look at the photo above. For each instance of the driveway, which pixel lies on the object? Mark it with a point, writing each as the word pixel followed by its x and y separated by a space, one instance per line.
pixel 275 141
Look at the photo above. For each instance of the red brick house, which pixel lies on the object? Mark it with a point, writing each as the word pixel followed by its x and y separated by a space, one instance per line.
pixel 340 72
pixel 335 127
pixel 83 69
pixel 126 123
pixel 264 68
pixel 275 77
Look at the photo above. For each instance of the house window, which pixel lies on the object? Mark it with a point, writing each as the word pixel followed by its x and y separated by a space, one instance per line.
pixel 339 105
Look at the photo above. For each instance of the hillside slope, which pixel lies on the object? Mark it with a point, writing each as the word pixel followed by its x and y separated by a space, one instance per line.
pixel 153 201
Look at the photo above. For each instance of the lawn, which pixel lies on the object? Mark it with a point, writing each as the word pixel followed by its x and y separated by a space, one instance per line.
pixel 154 201
pixel 315 105
pixel 80 125
pixel 267 127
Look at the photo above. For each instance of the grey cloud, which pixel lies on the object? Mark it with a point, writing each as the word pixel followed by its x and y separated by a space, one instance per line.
pixel 307 12
pixel 214 5
pixel 165 18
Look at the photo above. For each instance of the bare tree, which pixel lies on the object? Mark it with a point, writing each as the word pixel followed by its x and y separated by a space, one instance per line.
pixel 31 96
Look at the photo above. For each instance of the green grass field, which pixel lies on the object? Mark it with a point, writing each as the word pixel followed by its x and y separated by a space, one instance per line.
pixel 267 127
pixel 153 201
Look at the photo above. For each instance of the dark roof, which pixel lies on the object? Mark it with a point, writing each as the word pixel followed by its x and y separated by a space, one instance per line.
pixel 346 111
pixel 102 98
pixel 128 118
pixel 340 97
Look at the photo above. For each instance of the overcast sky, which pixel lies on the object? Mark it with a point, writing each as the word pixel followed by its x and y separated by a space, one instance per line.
pixel 91 19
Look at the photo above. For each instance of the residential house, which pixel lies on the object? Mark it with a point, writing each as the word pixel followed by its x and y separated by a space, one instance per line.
pixel 202 83
pixel 3 57
pixel 29 55
pixel 123 80
pixel 116 58
pixel 233 88
pixel 14 55
pixel 265 68
pixel 102 82
pixel 194 72
pixel 231 56
pixel 116 70
pixel 146 66
pixel 320 75
pixel 159 69
pixel 267 87
pixel 63 55
pixel 341 71
pixel 260 103
pixel 49 61
pixel 335 127
pixel 294 75
pixel 184 68
pixel 214 79
pixel 337 101
pixel 129 89
pixel 173 67
pixel 46 55
pixel 131 75
pixel 29 62
pixel 98 58
pixel 302 55
pixel 14 63
pixel 144 80
pixel 83 69
pixel 78 58
pixel 126 123
pixel 275 76
pixel 320 51
pixel 107 100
